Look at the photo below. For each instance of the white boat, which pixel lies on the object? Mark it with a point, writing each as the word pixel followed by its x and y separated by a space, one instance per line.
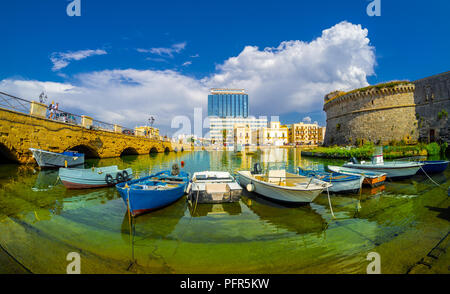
pixel 371 178
pixel 281 186
pixel 392 169
pixel 213 187
pixel 96 177
pixel 53 159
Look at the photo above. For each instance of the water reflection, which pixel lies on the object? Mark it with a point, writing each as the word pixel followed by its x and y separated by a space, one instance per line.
pixel 41 221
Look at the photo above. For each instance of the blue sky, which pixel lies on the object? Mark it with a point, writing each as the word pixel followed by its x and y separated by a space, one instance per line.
pixel 193 43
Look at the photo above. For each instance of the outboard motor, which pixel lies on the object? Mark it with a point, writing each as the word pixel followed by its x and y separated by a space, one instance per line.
pixel 257 169
pixel 354 160
pixel 175 170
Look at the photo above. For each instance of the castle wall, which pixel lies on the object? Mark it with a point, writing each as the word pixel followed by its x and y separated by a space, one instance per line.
pixel 432 99
pixel 411 112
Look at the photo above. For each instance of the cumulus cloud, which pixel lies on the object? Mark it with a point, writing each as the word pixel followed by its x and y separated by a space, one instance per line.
pixel 307 119
pixel 298 74
pixel 294 76
pixel 163 51
pixel 61 60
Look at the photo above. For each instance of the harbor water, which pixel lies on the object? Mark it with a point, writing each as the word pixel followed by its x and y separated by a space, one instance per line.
pixel 41 222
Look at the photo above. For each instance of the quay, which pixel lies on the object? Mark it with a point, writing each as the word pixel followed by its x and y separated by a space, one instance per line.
pixel 23 125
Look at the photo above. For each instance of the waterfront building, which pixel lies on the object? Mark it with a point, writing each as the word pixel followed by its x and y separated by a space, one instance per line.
pixel 228 103
pixel 222 129
pixel 243 134
pixel 306 134
pixel 274 135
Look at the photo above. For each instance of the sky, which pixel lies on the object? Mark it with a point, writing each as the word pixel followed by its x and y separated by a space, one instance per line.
pixel 123 61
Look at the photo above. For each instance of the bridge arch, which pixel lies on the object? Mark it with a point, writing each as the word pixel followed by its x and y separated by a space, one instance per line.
pixel 166 150
pixel 129 151
pixel 88 152
pixel 7 155
pixel 153 150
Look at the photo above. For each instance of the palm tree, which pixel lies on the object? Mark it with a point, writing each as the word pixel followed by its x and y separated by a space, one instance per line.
pixel 224 136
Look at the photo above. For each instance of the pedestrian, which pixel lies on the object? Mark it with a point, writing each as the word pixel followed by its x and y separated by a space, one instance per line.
pixel 57 110
pixel 51 109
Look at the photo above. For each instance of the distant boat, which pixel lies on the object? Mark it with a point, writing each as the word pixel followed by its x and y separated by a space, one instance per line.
pixel 278 185
pixel 214 187
pixel 341 182
pixel 153 192
pixel 392 169
pixel 75 178
pixel 433 166
pixel 47 159
pixel 371 178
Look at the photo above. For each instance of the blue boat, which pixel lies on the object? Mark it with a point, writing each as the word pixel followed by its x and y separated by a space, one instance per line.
pixel 340 182
pixel 153 192
pixel 433 166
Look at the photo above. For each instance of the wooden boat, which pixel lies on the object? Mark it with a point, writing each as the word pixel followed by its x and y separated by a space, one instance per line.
pixel 393 169
pixel 214 187
pixel 47 159
pixel 278 185
pixel 433 166
pixel 341 182
pixel 76 178
pixel 371 178
pixel 153 192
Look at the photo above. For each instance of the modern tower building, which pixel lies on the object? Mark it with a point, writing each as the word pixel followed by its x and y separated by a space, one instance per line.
pixel 228 103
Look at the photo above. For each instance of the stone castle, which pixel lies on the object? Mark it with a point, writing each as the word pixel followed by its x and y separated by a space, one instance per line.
pixel 391 112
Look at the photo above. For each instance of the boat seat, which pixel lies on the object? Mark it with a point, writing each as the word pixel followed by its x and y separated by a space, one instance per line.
pixel 217 190
pixel 277 176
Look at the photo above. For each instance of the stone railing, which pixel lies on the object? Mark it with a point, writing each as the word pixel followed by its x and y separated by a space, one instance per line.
pixel 38 109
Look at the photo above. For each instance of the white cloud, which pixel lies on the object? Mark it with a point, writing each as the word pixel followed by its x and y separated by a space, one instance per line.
pixel 187 63
pixel 162 51
pixel 307 119
pixel 294 76
pixel 61 60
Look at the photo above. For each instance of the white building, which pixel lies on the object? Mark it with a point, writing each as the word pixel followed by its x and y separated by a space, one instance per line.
pixel 225 126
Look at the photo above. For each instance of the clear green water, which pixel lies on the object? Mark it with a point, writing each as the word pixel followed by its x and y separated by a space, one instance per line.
pixel 41 222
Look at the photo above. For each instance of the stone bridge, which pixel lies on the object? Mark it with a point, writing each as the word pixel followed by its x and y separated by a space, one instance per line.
pixel 20 131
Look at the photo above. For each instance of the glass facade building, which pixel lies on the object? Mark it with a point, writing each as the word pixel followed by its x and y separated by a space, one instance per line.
pixel 228 103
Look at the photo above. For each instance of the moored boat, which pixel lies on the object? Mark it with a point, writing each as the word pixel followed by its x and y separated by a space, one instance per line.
pixel 371 178
pixel 153 192
pixel 393 169
pixel 214 187
pixel 433 166
pixel 278 185
pixel 48 159
pixel 76 178
pixel 341 182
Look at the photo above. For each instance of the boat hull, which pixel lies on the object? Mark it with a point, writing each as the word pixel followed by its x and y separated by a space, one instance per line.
pixel 346 186
pixel 433 167
pixel 47 159
pixel 390 171
pixel 87 178
pixel 143 201
pixel 371 178
pixel 281 194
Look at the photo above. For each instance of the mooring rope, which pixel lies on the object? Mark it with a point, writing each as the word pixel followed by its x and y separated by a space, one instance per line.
pixel 430 177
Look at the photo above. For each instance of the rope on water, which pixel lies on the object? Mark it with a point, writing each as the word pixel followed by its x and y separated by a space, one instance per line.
pixel 430 178
pixel 329 202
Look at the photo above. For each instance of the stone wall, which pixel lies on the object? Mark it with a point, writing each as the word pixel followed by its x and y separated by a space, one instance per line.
pixel 411 112
pixel 375 115
pixel 19 132
pixel 432 99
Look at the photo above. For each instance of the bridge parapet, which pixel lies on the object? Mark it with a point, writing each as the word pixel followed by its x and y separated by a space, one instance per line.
pixel 24 124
